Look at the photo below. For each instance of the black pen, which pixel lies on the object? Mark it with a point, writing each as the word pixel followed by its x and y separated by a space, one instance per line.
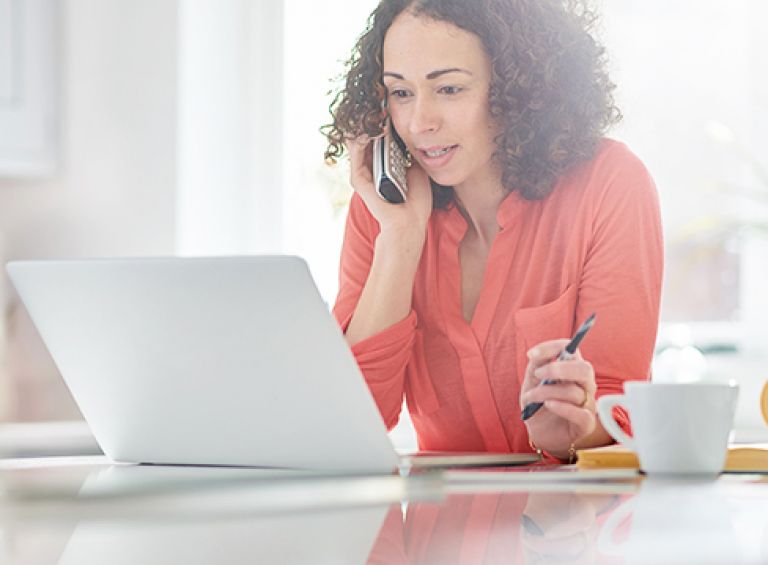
pixel 565 354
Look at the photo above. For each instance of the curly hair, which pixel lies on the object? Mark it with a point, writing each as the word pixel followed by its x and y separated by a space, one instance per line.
pixel 550 92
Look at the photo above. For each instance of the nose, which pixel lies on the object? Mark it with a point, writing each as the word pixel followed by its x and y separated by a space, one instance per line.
pixel 425 116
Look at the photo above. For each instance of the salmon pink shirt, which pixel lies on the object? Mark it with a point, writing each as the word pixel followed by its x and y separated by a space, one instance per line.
pixel 593 245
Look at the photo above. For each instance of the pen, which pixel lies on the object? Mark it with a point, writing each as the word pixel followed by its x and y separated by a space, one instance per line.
pixel 565 354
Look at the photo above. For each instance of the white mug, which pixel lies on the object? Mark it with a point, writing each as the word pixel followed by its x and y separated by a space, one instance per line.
pixel 677 428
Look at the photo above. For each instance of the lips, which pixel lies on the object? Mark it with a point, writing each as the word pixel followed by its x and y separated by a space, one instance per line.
pixel 436 156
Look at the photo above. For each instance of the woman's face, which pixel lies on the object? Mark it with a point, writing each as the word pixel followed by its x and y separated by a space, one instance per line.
pixel 437 78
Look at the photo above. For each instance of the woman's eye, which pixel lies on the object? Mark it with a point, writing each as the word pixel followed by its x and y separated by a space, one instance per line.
pixel 398 93
pixel 450 89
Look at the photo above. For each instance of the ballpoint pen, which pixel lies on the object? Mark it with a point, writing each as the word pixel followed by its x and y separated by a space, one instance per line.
pixel 565 354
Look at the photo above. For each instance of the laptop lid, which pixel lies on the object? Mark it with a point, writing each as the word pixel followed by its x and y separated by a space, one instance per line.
pixel 218 361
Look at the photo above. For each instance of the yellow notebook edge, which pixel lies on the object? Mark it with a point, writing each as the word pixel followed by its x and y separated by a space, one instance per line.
pixel 740 458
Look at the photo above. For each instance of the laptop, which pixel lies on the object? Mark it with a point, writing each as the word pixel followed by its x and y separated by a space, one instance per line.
pixel 209 361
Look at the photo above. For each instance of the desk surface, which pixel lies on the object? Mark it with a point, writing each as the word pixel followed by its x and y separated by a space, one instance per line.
pixel 82 510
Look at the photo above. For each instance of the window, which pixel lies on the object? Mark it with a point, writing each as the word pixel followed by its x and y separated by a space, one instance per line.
pixel 28 69
pixel 317 42
pixel 690 84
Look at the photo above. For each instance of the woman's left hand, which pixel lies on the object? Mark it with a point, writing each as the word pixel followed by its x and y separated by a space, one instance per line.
pixel 568 413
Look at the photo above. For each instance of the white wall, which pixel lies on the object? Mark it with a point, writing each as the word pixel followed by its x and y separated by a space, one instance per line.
pixel 114 193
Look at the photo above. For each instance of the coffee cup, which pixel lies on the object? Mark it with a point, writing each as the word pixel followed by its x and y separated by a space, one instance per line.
pixel 677 428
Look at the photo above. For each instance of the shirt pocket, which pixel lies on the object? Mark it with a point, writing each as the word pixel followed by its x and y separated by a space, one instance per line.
pixel 420 391
pixel 553 320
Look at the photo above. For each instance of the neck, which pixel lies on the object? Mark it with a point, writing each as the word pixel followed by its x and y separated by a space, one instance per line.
pixel 479 205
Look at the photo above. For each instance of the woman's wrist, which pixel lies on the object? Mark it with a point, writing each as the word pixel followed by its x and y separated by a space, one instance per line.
pixel 567 455
pixel 402 235
pixel 400 245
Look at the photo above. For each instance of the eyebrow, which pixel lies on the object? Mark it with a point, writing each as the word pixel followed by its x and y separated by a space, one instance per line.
pixel 431 75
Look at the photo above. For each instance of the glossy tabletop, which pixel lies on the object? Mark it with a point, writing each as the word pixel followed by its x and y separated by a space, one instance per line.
pixel 83 510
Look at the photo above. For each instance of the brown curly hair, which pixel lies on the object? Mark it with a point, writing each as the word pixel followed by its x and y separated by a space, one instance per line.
pixel 550 92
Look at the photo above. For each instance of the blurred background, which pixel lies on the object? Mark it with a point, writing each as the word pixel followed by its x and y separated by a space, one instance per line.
pixel 190 127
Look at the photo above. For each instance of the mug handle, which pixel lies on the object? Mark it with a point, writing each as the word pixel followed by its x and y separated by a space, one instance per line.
pixel 605 406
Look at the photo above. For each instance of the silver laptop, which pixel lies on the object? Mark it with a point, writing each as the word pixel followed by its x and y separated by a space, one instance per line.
pixel 210 361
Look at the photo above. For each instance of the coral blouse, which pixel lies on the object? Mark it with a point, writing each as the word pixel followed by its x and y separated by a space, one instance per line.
pixel 593 245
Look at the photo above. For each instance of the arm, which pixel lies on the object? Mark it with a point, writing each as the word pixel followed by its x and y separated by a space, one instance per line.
pixel 390 253
pixel 381 253
pixel 383 354
pixel 386 296
pixel 621 282
pixel 622 279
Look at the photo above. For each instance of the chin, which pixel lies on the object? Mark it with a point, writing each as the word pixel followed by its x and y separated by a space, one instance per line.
pixel 445 179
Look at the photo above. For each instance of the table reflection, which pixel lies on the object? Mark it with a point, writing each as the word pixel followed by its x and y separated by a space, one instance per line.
pixel 674 521
pixel 112 514
pixel 161 515
pixel 342 536
pixel 664 521
pixel 505 527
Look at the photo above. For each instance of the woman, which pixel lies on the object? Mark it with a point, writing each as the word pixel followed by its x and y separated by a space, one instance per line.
pixel 520 221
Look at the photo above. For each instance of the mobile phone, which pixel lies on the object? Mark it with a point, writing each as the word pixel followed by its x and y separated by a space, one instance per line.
pixel 389 168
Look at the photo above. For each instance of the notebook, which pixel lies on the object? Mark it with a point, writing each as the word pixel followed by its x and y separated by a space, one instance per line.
pixel 742 458
pixel 208 361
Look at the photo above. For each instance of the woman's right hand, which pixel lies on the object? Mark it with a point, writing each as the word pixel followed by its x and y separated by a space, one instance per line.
pixel 410 216
pixel 387 296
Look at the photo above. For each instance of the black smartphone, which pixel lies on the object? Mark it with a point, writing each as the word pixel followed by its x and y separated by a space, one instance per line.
pixel 389 167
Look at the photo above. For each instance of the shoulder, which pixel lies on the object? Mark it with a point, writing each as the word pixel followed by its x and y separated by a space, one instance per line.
pixel 614 158
pixel 615 163
pixel 614 173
